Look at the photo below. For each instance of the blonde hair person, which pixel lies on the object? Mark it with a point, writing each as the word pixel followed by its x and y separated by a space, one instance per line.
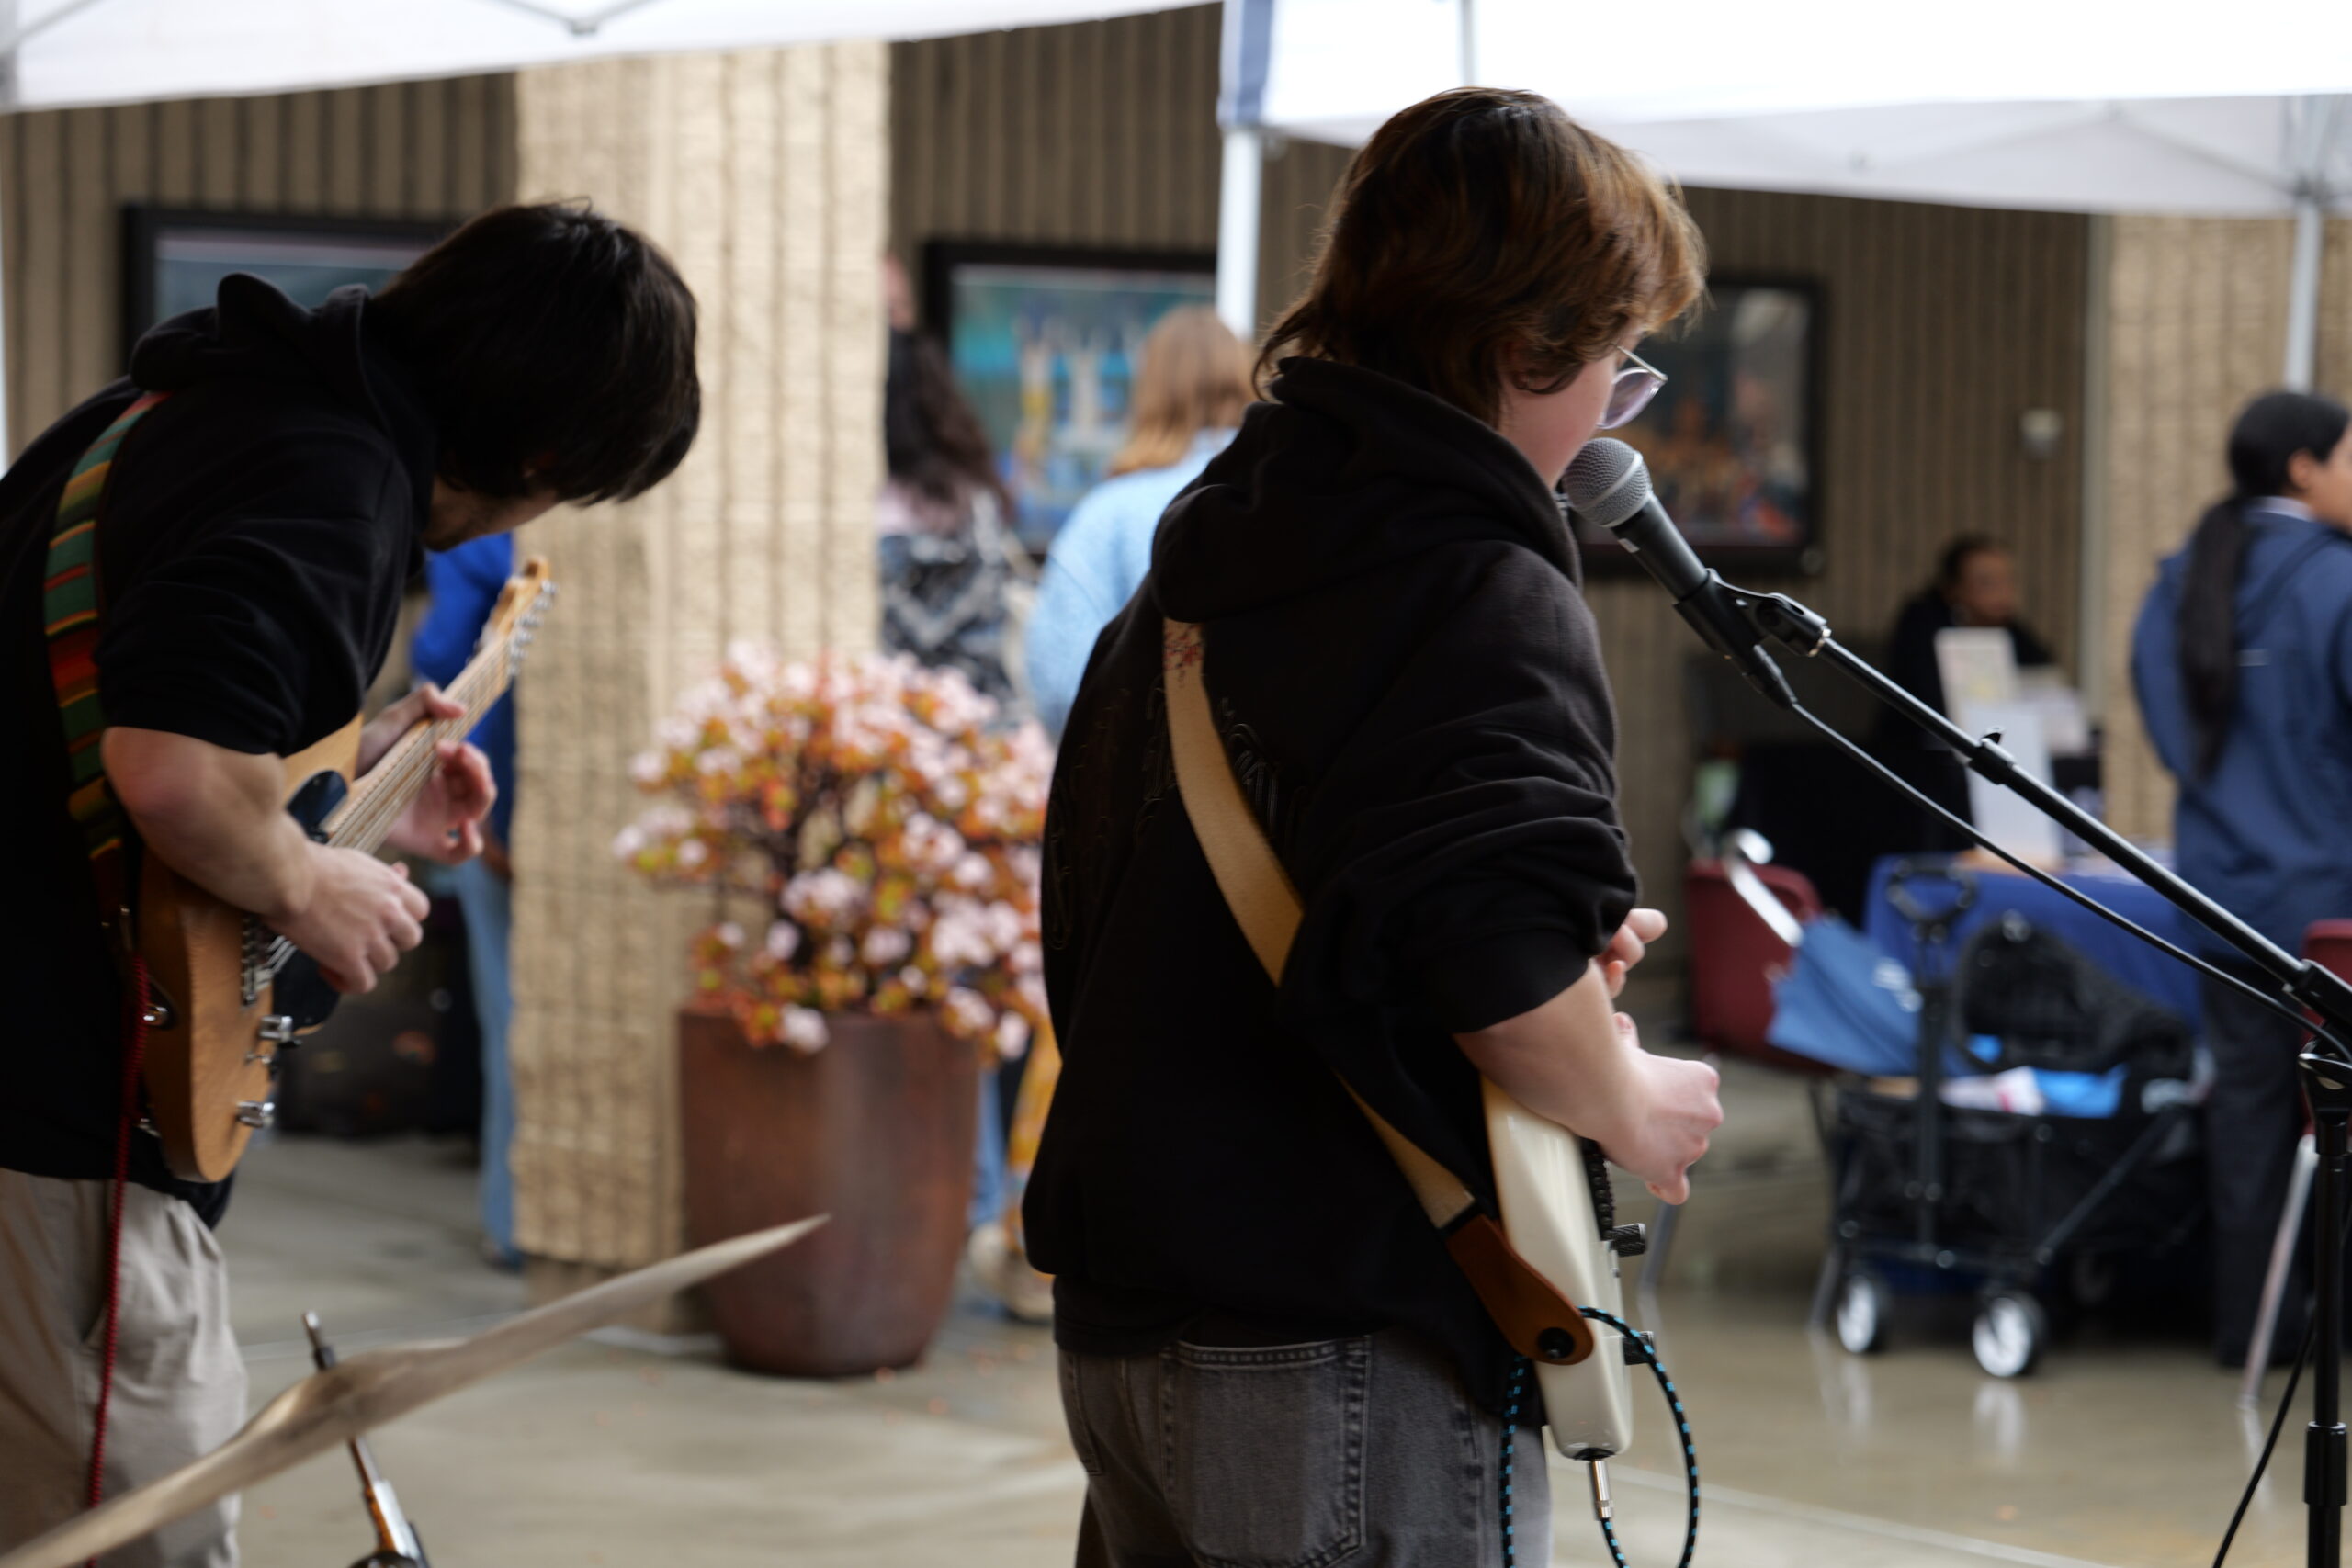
pixel 1195 377
pixel 1190 391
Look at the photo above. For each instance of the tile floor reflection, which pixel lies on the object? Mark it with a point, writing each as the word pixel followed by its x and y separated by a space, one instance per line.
pixel 2124 1450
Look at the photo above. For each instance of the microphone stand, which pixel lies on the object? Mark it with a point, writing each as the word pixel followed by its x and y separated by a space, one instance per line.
pixel 2327 1072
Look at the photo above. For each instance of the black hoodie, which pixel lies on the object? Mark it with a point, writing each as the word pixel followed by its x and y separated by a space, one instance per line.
pixel 1410 684
pixel 258 528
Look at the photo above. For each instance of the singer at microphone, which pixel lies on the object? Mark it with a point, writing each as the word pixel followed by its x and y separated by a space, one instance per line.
pixel 1608 485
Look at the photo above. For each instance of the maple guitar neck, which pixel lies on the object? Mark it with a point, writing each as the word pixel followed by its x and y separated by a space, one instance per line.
pixel 379 796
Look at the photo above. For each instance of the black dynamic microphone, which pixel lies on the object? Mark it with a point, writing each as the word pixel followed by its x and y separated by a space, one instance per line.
pixel 1609 486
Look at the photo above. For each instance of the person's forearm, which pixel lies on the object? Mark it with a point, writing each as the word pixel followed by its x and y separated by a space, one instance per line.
pixel 1564 1060
pixel 217 816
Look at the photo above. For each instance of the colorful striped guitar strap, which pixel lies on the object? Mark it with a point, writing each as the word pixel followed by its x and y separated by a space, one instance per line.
pixel 69 606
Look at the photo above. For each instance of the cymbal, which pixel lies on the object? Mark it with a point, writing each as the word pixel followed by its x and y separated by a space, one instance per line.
pixel 328 1409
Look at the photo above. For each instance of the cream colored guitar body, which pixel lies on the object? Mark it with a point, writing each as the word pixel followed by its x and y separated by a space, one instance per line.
pixel 1540 1178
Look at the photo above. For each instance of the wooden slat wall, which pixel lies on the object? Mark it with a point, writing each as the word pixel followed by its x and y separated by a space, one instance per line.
pixel 762 173
pixel 440 149
pixel 1099 133
pixel 1944 324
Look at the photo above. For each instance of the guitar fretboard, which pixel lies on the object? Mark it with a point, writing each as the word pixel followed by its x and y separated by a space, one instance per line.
pixel 376 800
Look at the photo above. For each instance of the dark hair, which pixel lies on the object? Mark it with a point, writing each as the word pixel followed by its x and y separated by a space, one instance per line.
pixel 1953 563
pixel 556 349
pixel 2263 442
pixel 930 438
pixel 1481 220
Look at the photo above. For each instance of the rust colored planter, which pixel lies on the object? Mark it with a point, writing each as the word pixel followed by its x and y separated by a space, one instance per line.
pixel 876 1129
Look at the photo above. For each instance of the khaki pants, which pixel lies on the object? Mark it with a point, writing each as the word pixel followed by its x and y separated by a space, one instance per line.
pixel 179 1388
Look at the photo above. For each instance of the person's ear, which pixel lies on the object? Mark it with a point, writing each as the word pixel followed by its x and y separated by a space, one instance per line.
pixel 2303 470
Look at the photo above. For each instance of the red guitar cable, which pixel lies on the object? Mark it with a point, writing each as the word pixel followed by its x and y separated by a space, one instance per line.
pixel 132 1059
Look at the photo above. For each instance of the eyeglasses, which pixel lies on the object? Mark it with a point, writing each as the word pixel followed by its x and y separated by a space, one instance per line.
pixel 1638 382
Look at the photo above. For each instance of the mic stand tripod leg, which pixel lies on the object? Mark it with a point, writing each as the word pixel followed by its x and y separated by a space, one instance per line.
pixel 2283 1266
pixel 2327 1084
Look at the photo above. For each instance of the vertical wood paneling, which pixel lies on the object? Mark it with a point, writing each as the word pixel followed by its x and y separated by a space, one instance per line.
pixel 13 252
pixel 763 174
pixel 91 301
pixel 306 151
pixel 1942 325
pixel 1100 133
pixel 261 163
pixel 220 151
pixel 65 174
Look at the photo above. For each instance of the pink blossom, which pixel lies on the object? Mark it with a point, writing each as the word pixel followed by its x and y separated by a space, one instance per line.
pixel 804 1030
pixel 885 946
pixel 1011 1036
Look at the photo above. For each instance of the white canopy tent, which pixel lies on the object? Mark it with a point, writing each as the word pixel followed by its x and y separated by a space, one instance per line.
pixel 58 54
pixel 2082 106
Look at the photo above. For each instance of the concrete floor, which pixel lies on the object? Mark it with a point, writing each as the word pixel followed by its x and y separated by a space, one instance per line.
pixel 629 1449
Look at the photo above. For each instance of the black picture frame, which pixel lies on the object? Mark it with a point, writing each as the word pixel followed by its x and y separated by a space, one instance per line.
pixel 167 249
pixel 1781 533
pixel 1048 468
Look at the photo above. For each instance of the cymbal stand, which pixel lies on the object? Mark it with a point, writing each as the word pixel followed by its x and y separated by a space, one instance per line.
pixel 397 1545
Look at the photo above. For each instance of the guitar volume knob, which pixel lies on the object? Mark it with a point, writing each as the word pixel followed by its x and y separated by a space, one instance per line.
pixel 257 1113
pixel 1627 1241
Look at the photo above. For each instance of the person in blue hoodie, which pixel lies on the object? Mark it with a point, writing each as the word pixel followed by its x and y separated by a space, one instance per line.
pixel 1191 387
pixel 2242 664
pixel 465 584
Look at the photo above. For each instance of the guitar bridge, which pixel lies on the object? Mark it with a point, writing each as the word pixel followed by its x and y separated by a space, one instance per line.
pixel 253 959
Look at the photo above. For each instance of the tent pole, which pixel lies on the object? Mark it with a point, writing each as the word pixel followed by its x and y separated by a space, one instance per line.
pixel 1237 230
pixel 2302 290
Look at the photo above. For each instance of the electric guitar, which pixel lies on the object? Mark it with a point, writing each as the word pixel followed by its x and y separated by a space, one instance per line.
pixel 226 993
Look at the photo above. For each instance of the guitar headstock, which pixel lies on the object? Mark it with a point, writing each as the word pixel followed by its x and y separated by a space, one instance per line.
pixel 515 618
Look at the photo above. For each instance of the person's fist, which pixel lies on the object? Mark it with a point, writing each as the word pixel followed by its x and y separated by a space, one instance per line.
pixel 1674 1113
pixel 361 915
pixel 1626 949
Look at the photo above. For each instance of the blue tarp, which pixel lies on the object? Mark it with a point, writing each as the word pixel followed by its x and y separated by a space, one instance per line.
pixel 1845 1002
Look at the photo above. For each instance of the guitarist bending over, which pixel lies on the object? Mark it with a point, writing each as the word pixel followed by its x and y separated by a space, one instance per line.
pixel 1268 1355
pixel 257 530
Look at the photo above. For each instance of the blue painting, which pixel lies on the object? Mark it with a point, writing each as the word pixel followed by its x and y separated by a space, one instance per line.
pixel 1046 354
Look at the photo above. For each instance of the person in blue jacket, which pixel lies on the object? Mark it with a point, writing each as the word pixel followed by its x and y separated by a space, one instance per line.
pixel 465 584
pixel 1190 390
pixel 2242 663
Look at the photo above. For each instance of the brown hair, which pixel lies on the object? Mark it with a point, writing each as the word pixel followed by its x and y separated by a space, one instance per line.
pixel 1195 377
pixel 1484 220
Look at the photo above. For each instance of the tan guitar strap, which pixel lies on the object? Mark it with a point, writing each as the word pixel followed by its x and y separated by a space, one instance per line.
pixel 1533 1314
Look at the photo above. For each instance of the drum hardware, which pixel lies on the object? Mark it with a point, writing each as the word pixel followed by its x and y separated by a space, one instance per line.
pixel 334 1405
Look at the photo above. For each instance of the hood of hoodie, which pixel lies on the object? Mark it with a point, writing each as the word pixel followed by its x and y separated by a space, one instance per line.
pixel 2278 545
pixel 253 333
pixel 1345 471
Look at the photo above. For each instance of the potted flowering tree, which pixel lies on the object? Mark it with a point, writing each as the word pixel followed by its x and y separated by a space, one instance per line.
pixel 870 835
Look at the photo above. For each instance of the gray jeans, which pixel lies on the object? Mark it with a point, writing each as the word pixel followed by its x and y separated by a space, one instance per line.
pixel 1366 1451
pixel 179 1388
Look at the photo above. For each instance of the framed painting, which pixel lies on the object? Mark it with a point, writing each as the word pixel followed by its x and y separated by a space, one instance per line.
pixel 1044 341
pixel 174 258
pixel 1733 438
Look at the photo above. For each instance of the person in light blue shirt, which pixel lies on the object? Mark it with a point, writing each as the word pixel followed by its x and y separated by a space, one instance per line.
pixel 1190 390
pixel 2242 664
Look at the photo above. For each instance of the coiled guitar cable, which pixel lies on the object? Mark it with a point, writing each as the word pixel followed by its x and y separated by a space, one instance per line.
pixel 1637 1349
